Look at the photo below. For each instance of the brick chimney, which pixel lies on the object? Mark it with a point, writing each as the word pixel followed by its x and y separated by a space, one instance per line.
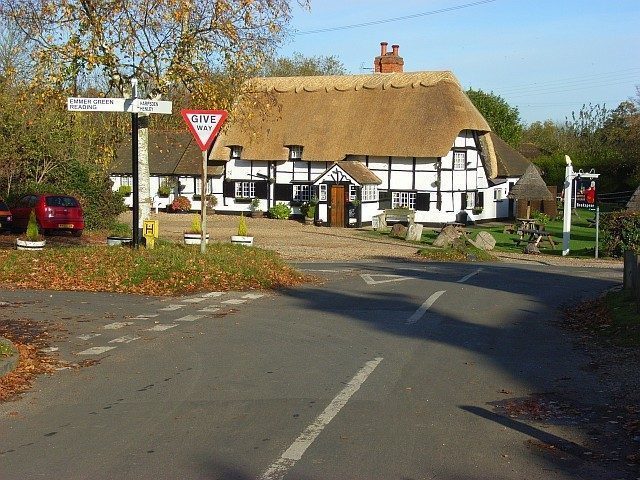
pixel 388 62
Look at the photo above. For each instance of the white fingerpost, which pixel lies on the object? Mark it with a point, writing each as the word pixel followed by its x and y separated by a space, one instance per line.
pixel 566 225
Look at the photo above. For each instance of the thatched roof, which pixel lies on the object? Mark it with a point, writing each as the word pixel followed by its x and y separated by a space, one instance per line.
pixel 633 204
pixel 170 153
pixel 530 186
pixel 511 163
pixel 395 114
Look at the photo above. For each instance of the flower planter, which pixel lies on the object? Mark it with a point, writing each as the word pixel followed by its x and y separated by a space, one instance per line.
pixel 194 238
pixel 257 214
pixel 114 241
pixel 241 240
pixel 29 244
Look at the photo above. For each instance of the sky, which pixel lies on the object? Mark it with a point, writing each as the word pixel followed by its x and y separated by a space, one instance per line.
pixel 545 57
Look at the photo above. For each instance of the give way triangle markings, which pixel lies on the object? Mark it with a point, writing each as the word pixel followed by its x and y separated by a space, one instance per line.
pixel 375 279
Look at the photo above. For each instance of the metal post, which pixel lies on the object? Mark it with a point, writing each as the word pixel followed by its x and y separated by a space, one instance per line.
pixel 203 203
pixel 566 224
pixel 134 167
pixel 597 228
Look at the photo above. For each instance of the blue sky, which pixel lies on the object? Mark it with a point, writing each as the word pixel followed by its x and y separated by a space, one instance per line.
pixel 546 57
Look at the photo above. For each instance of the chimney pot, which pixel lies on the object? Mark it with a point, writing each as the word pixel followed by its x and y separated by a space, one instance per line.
pixel 383 48
pixel 395 49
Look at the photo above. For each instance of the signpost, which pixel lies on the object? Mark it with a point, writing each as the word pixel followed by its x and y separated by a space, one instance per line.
pixel 134 106
pixel 204 125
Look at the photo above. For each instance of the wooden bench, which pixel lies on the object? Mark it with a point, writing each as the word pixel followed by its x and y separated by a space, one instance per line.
pixel 400 215
pixel 535 236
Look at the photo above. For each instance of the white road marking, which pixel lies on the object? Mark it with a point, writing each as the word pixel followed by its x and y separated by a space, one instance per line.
pixel 87 336
pixel 171 308
pixel 125 339
pixel 288 459
pixel 194 300
pixel 162 327
pixel 467 277
pixel 418 314
pixel 116 325
pixel 326 271
pixel 49 349
pixel 145 316
pixel 253 296
pixel 189 318
pixel 213 294
pixel 234 301
pixel 209 310
pixel 95 350
pixel 383 278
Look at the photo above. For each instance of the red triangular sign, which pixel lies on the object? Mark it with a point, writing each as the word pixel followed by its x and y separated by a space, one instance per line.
pixel 204 125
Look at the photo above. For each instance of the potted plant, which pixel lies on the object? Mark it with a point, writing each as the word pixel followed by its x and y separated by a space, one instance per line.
pixel 212 201
pixel 308 209
pixel 164 190
pixel 119 234
pixel 242 238
pixel 124 190
pixel 31 240
pixel 179 204
pixel 194 235
pixel 256 211
pixel 477 210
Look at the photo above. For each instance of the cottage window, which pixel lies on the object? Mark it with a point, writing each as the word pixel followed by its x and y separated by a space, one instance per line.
pixel 497 194
pixel 295 152
pixel 245 189
pixel 198 183
pixel 301 193
pixel 126 181
pixel 403 200
pixel 470 199
pixel 459 160
pixel 369 193
pixel 236 152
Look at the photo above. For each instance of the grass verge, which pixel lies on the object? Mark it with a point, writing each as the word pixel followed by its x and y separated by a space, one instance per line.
pixel 169 269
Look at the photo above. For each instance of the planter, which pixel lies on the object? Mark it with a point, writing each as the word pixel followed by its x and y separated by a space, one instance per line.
pixel 257 214
pixel 308 221
pixel 194 238
pixel 115 241
pixel 30 245
pixel 241 240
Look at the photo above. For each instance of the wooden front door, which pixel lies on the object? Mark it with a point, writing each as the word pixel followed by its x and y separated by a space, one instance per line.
pixel 336 217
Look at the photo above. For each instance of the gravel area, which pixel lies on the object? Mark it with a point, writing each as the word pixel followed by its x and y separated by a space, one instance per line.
pixel 297 241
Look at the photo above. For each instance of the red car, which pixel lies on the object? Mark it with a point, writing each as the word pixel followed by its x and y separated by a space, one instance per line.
pixel 53 212
pixel 5 217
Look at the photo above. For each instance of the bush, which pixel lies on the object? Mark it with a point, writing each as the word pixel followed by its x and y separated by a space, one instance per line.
pixel 124 190
pixel 180 204
pixel 243 231
pixel 120 229
pixel 33 233
pixel 281 211
pixel 164 190
pixel 196 224
pixel 620 232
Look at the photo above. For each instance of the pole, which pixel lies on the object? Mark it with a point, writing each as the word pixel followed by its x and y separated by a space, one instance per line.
pixel 566 224
pixel 203 203
pixel 134 167
pixel 597 227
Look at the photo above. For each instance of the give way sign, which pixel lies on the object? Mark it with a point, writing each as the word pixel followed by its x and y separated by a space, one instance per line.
pixel 204 125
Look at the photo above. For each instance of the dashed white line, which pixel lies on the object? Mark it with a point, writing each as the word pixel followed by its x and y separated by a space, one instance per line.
pixel 209 310
pixel 171 308
pixel 234 301
pixel 287 460
pixel 253 296
pixel 144 316
pixel 467 277
pixel 87 336
pixel 213 294
pixel 418 314
pixel 194 300
pixel 95 350
pixel 125 339
pixel 162 327
pixel 116 325
pixel 189 318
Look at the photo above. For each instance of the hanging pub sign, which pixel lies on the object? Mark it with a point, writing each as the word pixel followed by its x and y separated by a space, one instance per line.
pixel 586 192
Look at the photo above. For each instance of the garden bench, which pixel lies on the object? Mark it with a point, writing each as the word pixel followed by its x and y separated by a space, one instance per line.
pixel 396 215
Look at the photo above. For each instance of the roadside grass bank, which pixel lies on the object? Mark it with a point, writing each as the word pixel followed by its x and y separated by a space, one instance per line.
pixel 169 269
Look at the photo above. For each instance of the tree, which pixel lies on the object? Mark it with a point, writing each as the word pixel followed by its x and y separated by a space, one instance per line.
pixel 164 44
pixel 503 119
pixel 300 66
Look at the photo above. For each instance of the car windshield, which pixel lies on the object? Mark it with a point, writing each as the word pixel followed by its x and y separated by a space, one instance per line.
pixel 61 202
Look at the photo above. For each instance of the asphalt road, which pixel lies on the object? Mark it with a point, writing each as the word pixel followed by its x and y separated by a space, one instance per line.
pixel 378 371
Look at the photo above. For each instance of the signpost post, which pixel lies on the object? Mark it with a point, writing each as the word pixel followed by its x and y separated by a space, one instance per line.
pixel 204 125
pixel 127 105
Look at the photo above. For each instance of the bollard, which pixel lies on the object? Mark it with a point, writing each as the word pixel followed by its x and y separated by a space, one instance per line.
pixel 630 267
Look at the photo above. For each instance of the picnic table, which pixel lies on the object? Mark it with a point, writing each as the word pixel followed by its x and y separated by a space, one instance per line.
pixel 535 236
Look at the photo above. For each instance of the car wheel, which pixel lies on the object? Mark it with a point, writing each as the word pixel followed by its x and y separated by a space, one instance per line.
pixel 76 233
